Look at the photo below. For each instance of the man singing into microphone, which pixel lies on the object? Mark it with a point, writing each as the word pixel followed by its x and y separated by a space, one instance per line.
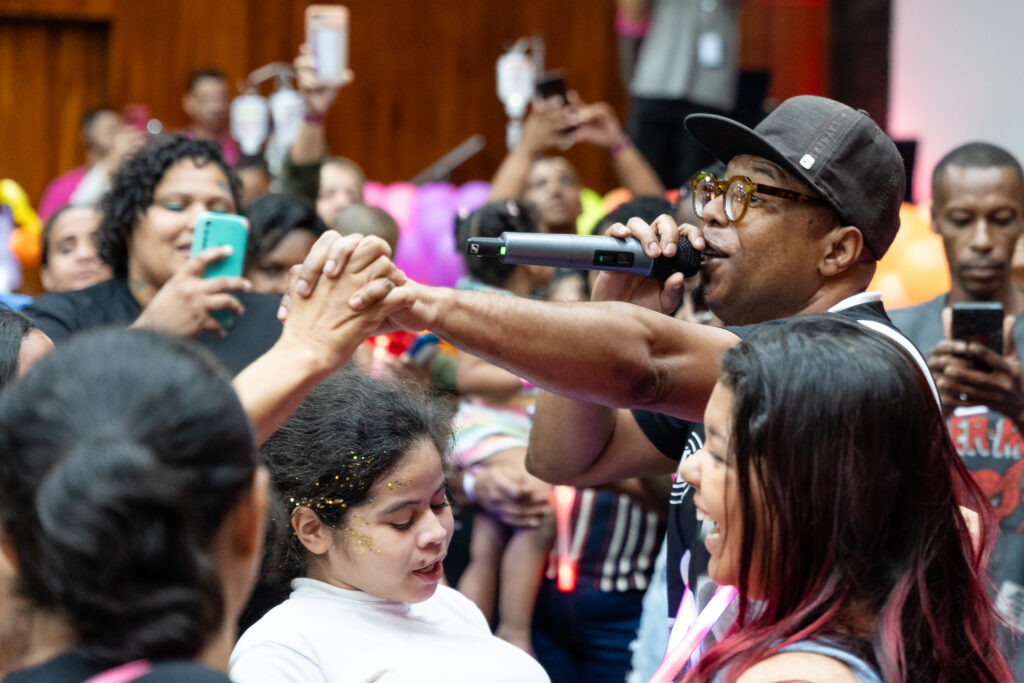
pixel 810 201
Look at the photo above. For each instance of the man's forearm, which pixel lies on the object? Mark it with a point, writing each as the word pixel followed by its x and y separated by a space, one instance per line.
pixel 566 438
pixel 610 353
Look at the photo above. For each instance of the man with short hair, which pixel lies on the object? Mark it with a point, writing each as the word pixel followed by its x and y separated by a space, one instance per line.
pixel 978 210
pixel 207 101
pixel 810 203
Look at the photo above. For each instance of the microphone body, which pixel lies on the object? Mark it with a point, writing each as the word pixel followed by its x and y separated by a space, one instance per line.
pixel 585 252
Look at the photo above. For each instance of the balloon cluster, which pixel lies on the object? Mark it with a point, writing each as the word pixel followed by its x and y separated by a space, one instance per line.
pixel 914 269
pixel 20 229
pixel 426 221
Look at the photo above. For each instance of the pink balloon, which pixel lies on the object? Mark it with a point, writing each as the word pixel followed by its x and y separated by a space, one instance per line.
pixel 397 199
pixel 473 195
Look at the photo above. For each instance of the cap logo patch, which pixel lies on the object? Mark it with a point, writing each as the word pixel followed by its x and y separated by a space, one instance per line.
pixel 807 161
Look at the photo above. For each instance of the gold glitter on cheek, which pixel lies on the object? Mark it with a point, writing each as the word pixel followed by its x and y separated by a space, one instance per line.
pixel 361 543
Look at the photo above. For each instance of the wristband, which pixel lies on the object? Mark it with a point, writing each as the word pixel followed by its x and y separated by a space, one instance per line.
pixel 620 146
pixel 629 27
pixel 313 117
pixel 469 483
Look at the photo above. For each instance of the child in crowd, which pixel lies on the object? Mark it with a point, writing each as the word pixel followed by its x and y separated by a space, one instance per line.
pixel 493 421
pixel 282 230
pixel 359 470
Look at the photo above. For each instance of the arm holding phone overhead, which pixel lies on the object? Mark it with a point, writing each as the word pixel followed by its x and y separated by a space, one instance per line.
pixel 321 70
pixel 562 119
pixel 599 125
pixel 543 129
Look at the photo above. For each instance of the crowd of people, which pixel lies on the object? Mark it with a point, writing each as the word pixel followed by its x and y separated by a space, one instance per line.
pixel 272 496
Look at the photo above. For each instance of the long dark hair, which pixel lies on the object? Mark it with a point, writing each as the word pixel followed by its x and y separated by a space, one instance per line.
pixel 837 428
pixel 121 453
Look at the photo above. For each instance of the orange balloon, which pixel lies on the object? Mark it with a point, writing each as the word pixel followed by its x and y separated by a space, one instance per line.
pixel 615 199
pixel 914 269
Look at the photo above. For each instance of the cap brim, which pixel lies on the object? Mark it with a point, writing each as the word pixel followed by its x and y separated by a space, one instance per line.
pixel 726 139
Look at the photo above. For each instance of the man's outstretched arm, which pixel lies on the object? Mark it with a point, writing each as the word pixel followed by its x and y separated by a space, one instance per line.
pixel 610 353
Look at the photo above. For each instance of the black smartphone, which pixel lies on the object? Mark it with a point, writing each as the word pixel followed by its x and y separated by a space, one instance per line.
pixel 981 322
pixel 552 84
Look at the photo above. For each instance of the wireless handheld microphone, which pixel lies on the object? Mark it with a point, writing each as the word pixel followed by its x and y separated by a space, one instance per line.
pixel 586 252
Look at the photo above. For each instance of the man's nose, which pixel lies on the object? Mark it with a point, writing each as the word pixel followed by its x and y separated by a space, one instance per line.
pixel 981 236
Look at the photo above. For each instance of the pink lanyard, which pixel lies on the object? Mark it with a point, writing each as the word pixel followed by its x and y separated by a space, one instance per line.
pixel 676 656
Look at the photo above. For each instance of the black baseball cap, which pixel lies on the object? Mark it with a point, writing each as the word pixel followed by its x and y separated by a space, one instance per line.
pixel 837 150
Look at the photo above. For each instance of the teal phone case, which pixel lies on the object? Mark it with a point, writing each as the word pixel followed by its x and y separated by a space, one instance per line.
pixel 215 229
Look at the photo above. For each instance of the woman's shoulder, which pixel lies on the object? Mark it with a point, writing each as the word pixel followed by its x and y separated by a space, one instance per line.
pixel 809 667
pixel 813 661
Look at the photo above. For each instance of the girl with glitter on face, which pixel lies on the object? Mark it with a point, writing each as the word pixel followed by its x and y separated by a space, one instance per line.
pixel 359 476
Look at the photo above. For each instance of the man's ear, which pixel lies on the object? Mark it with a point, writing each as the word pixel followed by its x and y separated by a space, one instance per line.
pixel 844 248
pixel 186 104
pixel 312 532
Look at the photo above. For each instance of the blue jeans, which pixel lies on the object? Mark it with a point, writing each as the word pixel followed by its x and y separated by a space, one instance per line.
pixel 584 636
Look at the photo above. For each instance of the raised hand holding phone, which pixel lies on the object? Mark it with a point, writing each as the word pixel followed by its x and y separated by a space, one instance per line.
pixel 186 303
pixel 986 372
pixel 327 38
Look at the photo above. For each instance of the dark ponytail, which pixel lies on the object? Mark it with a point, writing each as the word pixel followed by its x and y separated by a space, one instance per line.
pixel 120 455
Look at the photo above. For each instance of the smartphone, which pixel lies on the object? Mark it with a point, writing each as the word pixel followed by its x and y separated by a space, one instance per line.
pixel 327 38
pixel 552 84
pixel 213 230
pixel 423 348
pixel 981 322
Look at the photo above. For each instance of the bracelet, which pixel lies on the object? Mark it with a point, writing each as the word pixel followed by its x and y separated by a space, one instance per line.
pixel 469 483
pixel 629 27
pixel 313 117
pixel 620 146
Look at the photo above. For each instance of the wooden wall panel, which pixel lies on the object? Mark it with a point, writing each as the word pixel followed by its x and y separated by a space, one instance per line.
pixel 156 45
pixel 95 10
pixel 788 38
pixel 51 72
pixel 424 69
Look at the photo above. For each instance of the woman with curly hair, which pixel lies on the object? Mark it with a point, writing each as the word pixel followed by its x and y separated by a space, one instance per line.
pixel 149 216
pixel 829 491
